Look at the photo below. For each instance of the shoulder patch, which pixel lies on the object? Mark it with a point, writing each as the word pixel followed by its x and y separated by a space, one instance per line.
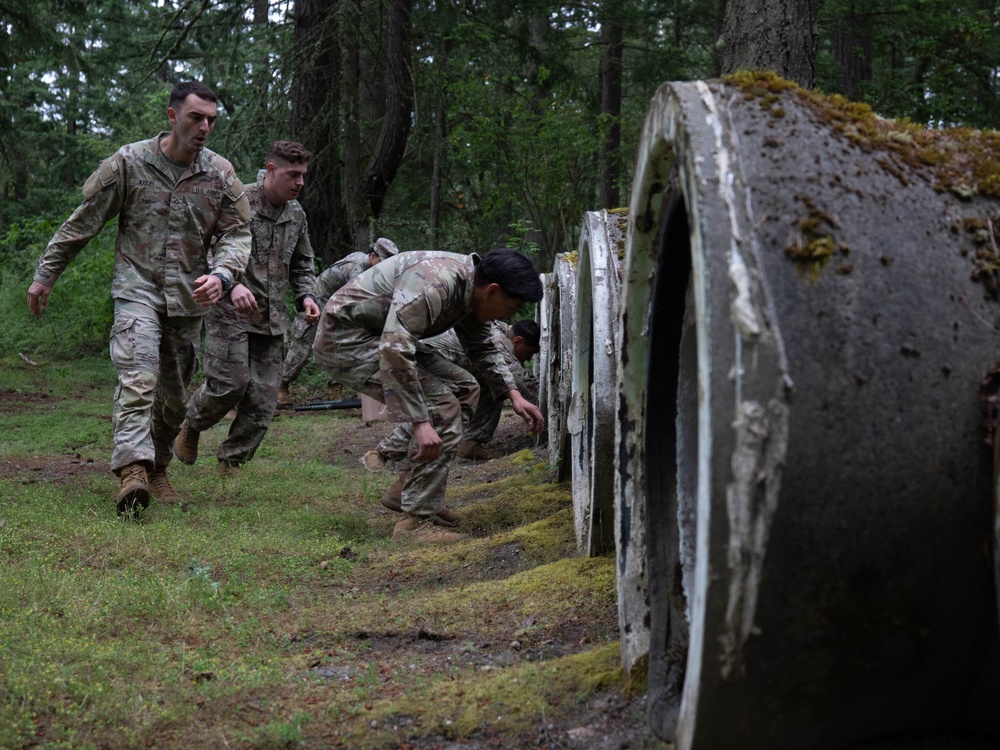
pixel 106 174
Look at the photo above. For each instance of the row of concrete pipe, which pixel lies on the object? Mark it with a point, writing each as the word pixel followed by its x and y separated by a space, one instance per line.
pixel 766 383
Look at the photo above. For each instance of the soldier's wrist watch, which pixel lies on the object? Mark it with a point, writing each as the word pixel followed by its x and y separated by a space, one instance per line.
pixel 227 284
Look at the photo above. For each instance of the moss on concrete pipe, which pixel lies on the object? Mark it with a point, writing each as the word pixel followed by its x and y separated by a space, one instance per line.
pixel 805 512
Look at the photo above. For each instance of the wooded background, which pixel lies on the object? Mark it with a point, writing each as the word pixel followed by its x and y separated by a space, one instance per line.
pixel 444 124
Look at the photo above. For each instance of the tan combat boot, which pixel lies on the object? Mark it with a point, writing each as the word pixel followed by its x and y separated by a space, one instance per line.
pixel 392 498
pixel 186 444
pixel 476 451
pixel 227 469
pixel 163 491
pixel 373 460
pixel 134 493
pixel 421 530
pixel 336 391
pixel 284 397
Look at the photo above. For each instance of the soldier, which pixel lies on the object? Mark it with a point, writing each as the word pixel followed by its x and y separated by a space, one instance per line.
pixel 367 339
pixel 303 331
pixel 244 338
pixel 518 343
pixel 174 199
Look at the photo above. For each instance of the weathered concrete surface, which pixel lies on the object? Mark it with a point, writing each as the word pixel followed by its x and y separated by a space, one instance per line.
pixel 560 308
pixel 799 431
pixel 591 414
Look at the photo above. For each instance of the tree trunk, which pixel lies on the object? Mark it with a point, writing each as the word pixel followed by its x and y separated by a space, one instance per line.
pixel 395 131
pixel 778 35
pixel 315 122
pixel 852 49
pixel 611 109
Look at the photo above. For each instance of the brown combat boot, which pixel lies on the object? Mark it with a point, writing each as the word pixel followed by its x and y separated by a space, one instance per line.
pixel 419 529
pixel 186 444
pixel 134 494
pixel 476 451
pixel 227 469
pixel 163 491
pixel 392 498
pixel 284 397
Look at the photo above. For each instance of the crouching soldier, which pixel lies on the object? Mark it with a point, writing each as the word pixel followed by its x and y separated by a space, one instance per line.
pixel 367 339
pixel 244 335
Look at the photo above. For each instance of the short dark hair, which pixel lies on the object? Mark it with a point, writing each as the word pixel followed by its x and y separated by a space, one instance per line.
pixel 512 271
pixel 529 331
pixel 288 151
pixel 184 89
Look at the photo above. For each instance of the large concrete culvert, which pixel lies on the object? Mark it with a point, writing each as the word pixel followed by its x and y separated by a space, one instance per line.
pixel 804 502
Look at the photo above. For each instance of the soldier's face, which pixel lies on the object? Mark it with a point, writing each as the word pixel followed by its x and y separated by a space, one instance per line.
pixel 493 304
pixel 284 181
pixel 192 124
pixel 523 350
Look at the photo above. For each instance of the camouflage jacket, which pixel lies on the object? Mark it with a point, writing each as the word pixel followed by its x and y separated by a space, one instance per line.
pixel 448 346
pixel 339 274
pixel 165 228
pixel 414 296
pixel 281 254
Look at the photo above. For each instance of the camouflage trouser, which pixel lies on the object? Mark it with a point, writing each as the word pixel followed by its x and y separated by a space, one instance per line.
pixel 155 357
pixel 300 344
pixel 483 423
pixel 241 372
pixel 450 393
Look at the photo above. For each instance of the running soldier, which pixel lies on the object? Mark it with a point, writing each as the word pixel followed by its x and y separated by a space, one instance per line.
pixel 174 199
pixel 304 331
pixel 245 334
pixel 367 340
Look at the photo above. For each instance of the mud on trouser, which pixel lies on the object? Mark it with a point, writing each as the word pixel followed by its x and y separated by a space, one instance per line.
pixel 154 356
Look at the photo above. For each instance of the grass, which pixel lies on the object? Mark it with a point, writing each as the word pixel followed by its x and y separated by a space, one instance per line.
pixel 272 610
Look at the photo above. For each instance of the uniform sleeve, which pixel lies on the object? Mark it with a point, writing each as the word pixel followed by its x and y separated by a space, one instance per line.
pixel 103 197
pixel 329 282
pixel 232 232
pixel 301 268
pixel 485 355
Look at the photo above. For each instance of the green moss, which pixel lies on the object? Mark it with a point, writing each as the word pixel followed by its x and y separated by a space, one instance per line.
pixel 962 161
pixel 507 702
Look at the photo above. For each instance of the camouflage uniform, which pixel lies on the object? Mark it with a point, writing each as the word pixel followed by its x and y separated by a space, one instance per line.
pixel 303 333
pixel 166 225
pixel 367 339
pixel 487 415
pixel 243 353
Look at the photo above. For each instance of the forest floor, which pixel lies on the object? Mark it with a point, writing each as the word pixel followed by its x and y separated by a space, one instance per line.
pixel 273 610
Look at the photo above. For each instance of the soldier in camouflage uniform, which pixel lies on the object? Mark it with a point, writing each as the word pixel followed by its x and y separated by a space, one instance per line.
pixel 367 340
pixel 518 343
pixel 304 331
pixel 244 339
pixel 174 199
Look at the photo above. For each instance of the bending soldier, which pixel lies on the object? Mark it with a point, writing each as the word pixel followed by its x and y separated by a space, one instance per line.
pixel 174 199
pixel 244 338
pixel 367 339
pixel 304 331
pixel 518 343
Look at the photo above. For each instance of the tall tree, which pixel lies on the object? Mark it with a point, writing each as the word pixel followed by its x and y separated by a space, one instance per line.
pixel 778 35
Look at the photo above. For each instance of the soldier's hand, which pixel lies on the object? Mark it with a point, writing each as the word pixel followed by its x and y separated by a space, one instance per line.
pixel 428 442
pixel 527 411
pixel 208 290
pixel 38 297
pixel 243 299
pixel 311 309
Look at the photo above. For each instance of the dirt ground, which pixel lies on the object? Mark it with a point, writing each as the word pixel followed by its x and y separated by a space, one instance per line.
pixel 608 721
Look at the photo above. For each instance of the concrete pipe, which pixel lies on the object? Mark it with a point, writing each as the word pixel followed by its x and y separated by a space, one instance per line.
pixel 809 309
pixel 543 316
pixel 591 414
pixel 558 383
